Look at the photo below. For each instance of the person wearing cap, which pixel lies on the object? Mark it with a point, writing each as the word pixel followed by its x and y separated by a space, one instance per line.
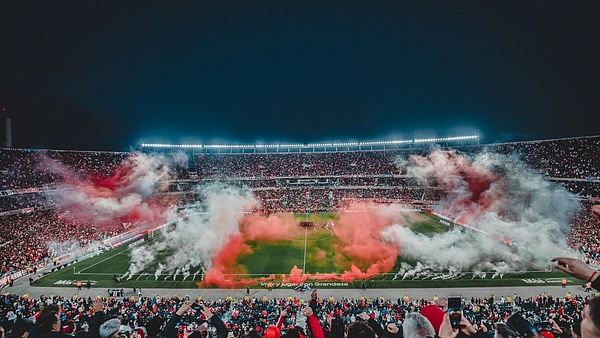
pixel 417 326
pixel 110 328
pixel 272 332
pixel 100 326
pixel 435 315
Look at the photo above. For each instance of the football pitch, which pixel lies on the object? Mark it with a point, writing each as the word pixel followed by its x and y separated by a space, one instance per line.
pixel 313 250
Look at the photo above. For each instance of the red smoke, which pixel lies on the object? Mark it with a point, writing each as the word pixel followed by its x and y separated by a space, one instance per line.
pixel 224 266
pixel 360 236
pixel 274 227
pixel 472 187
pixel 362 253
pixel 133 195
pixel 130 195
pixel 295 276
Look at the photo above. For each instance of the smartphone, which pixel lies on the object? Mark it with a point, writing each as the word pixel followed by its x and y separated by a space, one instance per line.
pixel 455 310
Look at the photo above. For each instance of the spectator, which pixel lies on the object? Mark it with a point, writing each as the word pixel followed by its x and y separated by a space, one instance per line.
pixel 153 327
pixel 313 323
pixel 435 315
pixel 417 326
pixel 110 328
pixel 49 326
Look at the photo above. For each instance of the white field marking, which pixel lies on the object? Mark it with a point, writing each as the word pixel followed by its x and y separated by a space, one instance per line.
pixel 104 260
pixel 305 240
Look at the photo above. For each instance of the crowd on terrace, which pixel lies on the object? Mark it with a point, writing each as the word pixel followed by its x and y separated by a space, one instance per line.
pixel 328 199
pixel 565 158
pixel 23 169
pixel 255 317
pixel 363 163
pixel 585 235
pixel 32 238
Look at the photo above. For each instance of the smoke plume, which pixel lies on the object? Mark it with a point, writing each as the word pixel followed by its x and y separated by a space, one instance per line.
pixel 518 219
pixel 210 240
pixel 130 196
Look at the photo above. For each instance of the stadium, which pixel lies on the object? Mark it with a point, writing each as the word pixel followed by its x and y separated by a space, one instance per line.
pixel 374 219
pixel 232 216
pixel 395 169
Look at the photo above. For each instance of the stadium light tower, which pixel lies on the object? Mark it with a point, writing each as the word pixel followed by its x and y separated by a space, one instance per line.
pixel 6 129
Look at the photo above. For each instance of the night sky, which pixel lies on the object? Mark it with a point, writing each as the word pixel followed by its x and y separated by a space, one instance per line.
pixel 101 76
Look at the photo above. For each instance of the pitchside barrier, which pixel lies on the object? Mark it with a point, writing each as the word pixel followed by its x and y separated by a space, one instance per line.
pixel 19 274
pixel 86 252
pixel 79 255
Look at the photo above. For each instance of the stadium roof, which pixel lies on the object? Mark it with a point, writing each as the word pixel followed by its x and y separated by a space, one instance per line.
pixel 326 146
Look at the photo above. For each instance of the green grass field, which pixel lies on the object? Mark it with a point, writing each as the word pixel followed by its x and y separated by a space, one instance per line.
pixel 313 252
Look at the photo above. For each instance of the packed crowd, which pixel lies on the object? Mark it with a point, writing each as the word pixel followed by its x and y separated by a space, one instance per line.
pixel 29 239
pixel 297 164
pixel 565 158
pixel 584 235
pixel 331 179
pixel 27 200
pixel 255 317
pixel 589 190
pixel 22 169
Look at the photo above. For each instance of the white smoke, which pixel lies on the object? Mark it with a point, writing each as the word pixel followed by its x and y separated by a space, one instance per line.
pixel 501 197
pixel 159 271
pixel 58 249
pixel 195 240
pixel 141 258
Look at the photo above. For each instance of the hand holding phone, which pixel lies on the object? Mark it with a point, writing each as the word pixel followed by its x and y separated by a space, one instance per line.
pixel 455 311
